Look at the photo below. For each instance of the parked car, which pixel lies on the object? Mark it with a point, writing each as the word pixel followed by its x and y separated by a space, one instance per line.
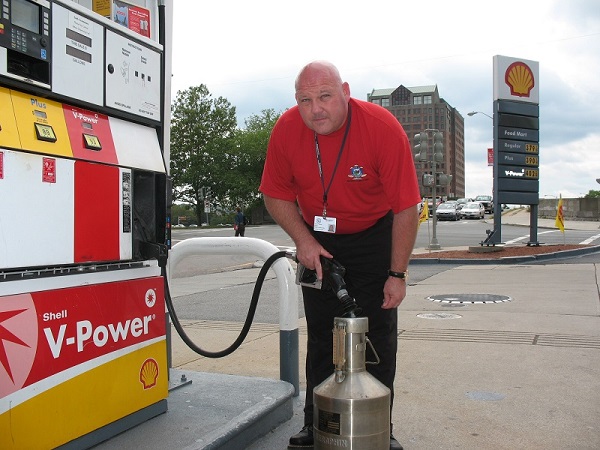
pixel 487 202
pixel 473 210
pixel 447 211
pixel 462 202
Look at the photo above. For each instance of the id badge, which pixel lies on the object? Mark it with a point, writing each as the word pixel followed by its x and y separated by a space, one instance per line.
pixel 325 224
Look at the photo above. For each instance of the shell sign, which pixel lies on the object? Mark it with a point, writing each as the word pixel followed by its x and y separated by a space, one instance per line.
pixel 516 79
pixel 79 357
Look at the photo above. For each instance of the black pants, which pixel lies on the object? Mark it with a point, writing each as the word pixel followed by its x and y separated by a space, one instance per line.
pixel 366 257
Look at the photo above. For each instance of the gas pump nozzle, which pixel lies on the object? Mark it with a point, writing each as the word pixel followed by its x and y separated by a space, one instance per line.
pixel 333 278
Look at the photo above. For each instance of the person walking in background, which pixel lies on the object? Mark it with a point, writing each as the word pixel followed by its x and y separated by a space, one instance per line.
pixel 339 178
pixel 240 223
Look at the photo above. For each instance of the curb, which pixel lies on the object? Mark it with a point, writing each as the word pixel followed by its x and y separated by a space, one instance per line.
pixel 508 259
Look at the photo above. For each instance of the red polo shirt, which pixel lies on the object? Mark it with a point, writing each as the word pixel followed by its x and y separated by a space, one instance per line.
pixel 376 172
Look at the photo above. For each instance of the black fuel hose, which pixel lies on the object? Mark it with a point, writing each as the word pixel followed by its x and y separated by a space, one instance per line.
pixel 249 317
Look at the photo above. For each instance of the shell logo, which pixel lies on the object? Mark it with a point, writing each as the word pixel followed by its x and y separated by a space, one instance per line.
pixel 149 373
pixel 519 78
pixel 18 341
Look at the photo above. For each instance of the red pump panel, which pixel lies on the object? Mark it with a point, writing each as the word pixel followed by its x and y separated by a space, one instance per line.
pixel 91 138
pixel 97 210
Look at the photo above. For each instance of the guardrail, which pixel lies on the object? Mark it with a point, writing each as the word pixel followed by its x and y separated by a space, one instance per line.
pixel 288 291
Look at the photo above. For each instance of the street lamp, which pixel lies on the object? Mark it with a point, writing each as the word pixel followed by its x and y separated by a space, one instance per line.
pixel 472 113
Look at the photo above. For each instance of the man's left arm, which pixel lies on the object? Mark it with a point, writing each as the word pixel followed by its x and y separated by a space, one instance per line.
pixel 404 234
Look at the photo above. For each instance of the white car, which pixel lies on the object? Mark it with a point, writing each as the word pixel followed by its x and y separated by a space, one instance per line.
pixel 447 211
pixel 473 210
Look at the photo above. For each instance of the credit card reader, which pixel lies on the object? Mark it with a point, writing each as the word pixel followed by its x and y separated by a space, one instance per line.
pixel 25 41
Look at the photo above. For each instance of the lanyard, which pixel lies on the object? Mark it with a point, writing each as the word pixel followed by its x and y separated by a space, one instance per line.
pixel 320 164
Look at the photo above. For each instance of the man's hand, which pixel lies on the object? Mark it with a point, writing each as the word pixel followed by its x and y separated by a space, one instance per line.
pixel 394 292
pixel 309 252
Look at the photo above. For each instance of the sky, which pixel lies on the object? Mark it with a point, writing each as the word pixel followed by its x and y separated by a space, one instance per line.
pixel 250 53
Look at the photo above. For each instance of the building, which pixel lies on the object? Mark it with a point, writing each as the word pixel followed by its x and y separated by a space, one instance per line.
pixel 421 108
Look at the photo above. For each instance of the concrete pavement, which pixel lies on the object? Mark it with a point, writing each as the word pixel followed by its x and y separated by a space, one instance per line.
pixel 490 356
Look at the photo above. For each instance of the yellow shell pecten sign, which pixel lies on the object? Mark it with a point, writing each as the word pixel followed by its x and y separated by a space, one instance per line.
pixel 516 79
pixel 519 79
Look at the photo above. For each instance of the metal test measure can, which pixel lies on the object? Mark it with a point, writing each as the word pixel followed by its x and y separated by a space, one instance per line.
pixel 351 407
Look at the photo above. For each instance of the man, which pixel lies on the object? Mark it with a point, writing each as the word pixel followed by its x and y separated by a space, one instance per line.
pixel 348 165
pixel 239 222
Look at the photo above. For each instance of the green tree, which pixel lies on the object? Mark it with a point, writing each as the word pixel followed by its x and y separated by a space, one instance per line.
pixel 246 158
pixel 592 194
pixel 202 129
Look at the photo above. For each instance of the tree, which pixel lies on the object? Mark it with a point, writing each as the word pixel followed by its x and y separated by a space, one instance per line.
pixel 592 194
pixel 247 158
pixel 202 128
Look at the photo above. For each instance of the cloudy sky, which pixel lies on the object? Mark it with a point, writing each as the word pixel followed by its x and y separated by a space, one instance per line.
pixel 250 52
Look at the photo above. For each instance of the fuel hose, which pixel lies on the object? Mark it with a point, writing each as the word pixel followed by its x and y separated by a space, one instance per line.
pixel 249 317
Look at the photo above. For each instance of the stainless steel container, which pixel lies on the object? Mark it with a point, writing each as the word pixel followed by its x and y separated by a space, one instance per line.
pixel 351 407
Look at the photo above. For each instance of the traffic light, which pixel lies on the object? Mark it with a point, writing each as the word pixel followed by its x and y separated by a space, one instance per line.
pixel 438 147
pixel 441 179
pixel 420 147
pixel 427 180
pixel 205 193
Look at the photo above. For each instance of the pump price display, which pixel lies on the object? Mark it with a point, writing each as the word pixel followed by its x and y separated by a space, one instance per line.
pixel 44 132
pixel 92 142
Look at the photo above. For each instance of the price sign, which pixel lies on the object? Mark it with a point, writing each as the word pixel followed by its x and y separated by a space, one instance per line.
pixel 531 173
pixel 531 160
pixel 44 132
pixel 92 142
pixel 518 172
pixel 531 148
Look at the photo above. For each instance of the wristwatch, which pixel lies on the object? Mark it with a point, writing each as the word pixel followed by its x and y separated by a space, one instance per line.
pixel 401 275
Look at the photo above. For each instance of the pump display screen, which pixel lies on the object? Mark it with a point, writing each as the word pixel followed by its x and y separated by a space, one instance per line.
pixel 26 15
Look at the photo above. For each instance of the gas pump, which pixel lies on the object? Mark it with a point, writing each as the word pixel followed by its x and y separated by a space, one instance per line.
pixel 84 228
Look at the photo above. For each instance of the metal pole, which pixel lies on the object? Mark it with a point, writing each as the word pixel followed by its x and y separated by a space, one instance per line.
pixel 533 226
pixel 434 244
pixel 288 290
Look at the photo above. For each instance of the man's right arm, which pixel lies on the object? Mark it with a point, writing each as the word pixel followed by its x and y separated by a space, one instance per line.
pixel 308 250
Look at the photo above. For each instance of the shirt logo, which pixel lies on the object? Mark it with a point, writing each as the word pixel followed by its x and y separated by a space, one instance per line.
pixel 356 173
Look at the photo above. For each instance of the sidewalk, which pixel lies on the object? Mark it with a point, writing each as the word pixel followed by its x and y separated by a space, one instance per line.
pixel 490 357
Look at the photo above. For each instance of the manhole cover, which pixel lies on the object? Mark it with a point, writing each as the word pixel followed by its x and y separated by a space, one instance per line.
pixel 469 298
pixel 439 316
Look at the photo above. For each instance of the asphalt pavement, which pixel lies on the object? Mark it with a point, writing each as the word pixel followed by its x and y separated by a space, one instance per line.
pixel 491 356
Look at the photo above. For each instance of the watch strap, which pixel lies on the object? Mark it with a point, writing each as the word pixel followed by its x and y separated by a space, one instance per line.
pixel 401 275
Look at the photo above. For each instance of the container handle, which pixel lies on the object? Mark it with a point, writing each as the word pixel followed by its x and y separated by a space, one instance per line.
pixel 377 360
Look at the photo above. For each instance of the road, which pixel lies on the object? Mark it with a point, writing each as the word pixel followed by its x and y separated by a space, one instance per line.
pixel 449 234
pixel 231 304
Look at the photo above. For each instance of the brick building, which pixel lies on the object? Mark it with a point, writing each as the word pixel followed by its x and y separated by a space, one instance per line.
pixel 419 108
